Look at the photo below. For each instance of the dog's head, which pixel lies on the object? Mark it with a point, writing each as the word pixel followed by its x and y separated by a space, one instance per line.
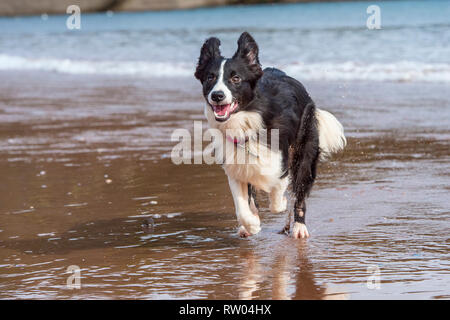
pixel 228 84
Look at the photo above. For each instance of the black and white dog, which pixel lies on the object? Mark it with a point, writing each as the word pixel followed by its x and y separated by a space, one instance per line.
pixel 241 96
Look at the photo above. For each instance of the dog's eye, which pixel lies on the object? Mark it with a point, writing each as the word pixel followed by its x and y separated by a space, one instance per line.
pixel 235 79
pixel 210 77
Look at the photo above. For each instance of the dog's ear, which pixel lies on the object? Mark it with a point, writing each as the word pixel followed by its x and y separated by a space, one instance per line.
pixel 210 50
pixel 248 51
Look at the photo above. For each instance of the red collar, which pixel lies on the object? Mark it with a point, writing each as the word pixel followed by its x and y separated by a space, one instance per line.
pixel 236 140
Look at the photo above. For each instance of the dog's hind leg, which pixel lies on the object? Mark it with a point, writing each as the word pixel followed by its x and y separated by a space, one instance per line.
pixel 287 225
pixel 303 167
pixel 250 223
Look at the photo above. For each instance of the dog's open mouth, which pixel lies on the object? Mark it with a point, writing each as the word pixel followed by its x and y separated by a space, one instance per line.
pixel 224 111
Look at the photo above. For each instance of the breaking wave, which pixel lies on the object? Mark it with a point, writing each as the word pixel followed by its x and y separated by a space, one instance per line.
pixel 407 71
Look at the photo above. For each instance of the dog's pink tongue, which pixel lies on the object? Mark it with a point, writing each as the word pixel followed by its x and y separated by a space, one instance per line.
pixel 221 110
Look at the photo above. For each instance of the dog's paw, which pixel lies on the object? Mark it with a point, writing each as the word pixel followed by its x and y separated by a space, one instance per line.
pixel 278 206
pixel 299 231
pixel 252 228
pixel 247 231
pixel 243 233
pixel 250 222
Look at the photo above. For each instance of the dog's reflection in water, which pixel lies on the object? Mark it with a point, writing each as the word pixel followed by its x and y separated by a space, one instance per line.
pixel 286 276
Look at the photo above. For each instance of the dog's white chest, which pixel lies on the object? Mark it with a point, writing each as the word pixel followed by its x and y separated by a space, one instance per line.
pixel 251 162
pixel 262 171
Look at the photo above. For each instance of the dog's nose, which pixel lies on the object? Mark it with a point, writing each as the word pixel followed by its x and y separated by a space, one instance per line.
pixel 217 96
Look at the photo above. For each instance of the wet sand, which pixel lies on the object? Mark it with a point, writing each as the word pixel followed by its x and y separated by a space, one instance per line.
pixel 85 161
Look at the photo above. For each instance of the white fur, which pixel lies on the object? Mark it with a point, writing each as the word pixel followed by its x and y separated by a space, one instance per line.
pixel 300 231
pixel 221 86
pixel 331 133
pixel 278 200
pixel 245 216
pixel 263 171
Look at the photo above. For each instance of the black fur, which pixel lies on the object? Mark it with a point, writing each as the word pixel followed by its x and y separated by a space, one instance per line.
pixel 252 195
pixel 282 102
pixel 304 160
pixel 209 52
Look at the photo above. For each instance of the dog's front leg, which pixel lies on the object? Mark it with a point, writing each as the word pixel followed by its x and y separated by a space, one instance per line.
pixel 249 221
pixel 278 200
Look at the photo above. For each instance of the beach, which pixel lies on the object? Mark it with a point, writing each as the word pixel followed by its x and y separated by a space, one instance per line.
pixel 87 178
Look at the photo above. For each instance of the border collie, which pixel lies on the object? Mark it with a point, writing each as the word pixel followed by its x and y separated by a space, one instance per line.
pixel 241 96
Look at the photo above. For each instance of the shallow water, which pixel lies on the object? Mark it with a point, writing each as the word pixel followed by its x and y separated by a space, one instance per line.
pixel 85 160
pixel 85 123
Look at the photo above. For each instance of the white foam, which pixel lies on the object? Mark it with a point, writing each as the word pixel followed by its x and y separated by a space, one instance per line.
pixel 139 68
pixel 407 71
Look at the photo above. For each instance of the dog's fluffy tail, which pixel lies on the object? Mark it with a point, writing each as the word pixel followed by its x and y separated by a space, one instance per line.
pixel 331 134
